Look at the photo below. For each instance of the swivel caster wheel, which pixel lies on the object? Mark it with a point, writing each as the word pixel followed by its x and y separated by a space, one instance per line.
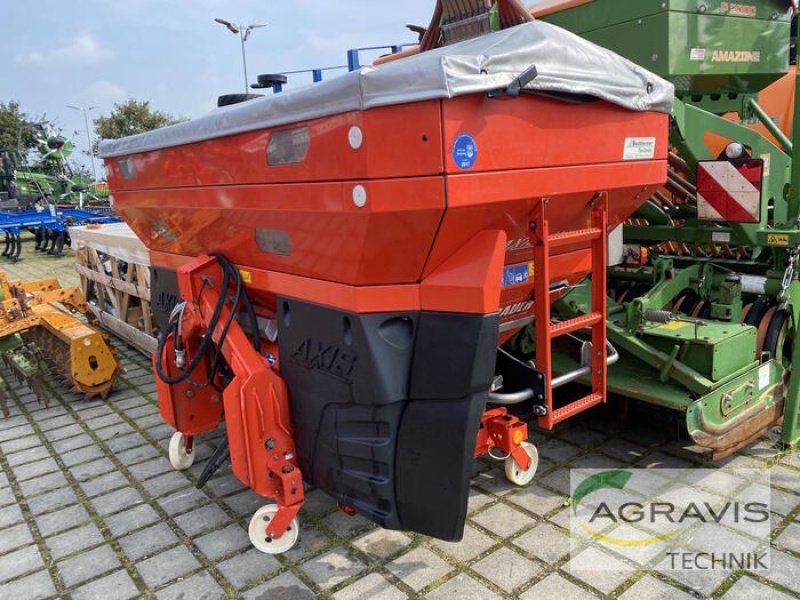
pixel 513 471
pixel 268 545
pixel 178 455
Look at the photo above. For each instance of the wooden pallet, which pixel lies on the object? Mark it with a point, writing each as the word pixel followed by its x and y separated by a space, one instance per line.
pixel 117 289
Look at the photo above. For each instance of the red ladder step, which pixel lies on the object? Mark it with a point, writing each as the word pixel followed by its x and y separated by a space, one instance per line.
pixel 576 324
pixel 579 236
pixel 565 412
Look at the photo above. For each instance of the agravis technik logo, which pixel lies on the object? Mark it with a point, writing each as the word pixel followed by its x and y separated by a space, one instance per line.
pixel 672 519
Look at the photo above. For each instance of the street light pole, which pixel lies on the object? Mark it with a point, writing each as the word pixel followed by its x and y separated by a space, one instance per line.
pixel 243 31
pixel 85 110
pixel 244 60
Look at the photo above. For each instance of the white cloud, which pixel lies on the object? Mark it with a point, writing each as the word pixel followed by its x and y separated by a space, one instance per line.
pixel 82 49
pixel 103 93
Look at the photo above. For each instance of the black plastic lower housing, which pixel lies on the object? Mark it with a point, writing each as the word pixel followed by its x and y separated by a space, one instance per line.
pixel 386 408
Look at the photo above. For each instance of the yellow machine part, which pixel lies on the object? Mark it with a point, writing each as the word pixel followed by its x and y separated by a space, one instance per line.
pixel 77 351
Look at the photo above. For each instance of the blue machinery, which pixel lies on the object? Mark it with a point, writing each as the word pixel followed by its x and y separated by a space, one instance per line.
pixel 353 64
pixel 50 228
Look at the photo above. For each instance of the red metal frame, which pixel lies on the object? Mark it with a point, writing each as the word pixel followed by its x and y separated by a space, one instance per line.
pixel 504 432
pixel 255 401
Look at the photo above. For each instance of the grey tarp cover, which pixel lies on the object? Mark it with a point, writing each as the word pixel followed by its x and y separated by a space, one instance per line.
pixel 565 62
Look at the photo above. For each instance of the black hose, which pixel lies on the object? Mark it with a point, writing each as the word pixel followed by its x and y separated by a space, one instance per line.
pixel 204 344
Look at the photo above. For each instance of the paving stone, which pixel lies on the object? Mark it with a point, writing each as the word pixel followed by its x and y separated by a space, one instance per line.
pixel 102 421
pixel 623 450
pixel 137 455
pixel 311 541
pixel 790 538
pixel 125 442
pixel 555 586
pixel 117 501
pixel 35 469
pixel 142 411
pixel 747 588
pixel 284 587
pixel 332 567
pixel 373 587
pixel 557 450
pixel 182 501
pixel 473 544
pixel 135 518
pixel 202 519
pixel 104 484
pixel 118 430
pixel 538 500
pixel 90 470
pixel 10 515
pixel 245 504
pixel 503 520
pixel 20 444
pixel 557 480
pixel 55 422
pixel 6 495
pixel 783 570
pixel 146 542
pixel 345 525
pixel 462 587
pixel 51 501
pixel 63 433
pixel 613 574
pixel 27 456
pixel 15 537
pixel 167 566
pixel 118 586
pixel 650 588
pixel 380 544
pixel 43 483
pixel 74 540
pixel 419 568
pixel 19 431
pixel 61 520
pixel 85 455
pixel 494 481
pixel 477 500
pixel 151 468
pixel 507 569
pixel 37 585
pixel 88 565
pixel 166 484
pixel 226 484
pixel 223 542
pixel 247 567
pixel 545 541
pixel 198 587
pixel 73 443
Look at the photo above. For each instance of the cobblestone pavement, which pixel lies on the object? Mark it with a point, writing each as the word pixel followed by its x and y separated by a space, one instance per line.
pixel 90 508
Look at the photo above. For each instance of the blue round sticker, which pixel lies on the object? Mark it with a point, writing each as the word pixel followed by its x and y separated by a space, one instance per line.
pixel 465 152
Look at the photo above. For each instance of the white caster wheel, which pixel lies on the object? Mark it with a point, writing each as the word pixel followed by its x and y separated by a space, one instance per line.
pixel 258 532
pixel 178 457
pixel 513 471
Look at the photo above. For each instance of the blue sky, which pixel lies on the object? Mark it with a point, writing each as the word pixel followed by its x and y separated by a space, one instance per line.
pixel 98 52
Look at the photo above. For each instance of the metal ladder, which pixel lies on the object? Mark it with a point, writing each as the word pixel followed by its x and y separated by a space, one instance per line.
pixel 594 239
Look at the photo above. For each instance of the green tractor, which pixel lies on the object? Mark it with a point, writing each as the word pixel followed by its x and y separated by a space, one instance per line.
pixel 49 180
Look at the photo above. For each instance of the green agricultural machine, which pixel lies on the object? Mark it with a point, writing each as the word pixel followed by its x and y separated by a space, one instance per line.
pixel 705 306
pixel 49 180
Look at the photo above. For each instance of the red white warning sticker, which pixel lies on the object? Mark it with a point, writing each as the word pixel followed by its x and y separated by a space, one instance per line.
pixel 729 193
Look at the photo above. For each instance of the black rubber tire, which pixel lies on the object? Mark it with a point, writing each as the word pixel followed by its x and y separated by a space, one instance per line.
pixel 231 99
pixel 757 312
pixel 774 333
